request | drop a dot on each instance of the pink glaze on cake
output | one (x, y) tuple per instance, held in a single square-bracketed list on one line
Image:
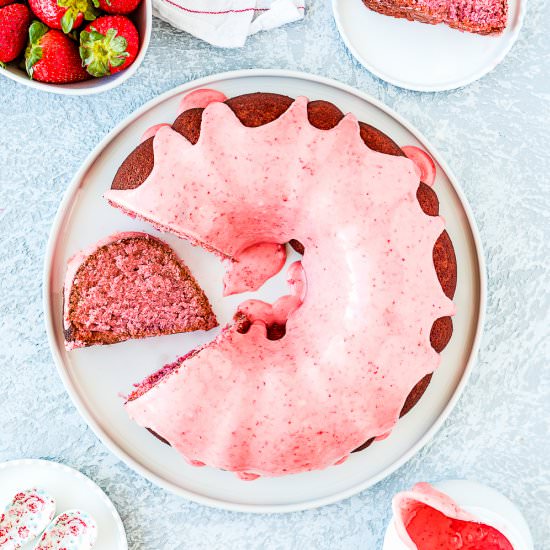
[(257, 311), (423, 162), (427, 519), (135, 291), (253, 267), (200, 99), (151, 132), (260, 406)]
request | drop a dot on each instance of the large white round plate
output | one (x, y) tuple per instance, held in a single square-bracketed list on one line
[(71, 490), (96, 377), (417, 56)]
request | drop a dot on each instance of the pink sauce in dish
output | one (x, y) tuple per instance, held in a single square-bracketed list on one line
[(432, 530), (427, 519), (356, 341)]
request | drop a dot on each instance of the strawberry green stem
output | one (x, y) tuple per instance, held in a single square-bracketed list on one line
[(74, 8), (33, 53), (101, 52)]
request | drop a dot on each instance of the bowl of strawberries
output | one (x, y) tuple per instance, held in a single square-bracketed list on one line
[(73, 47)]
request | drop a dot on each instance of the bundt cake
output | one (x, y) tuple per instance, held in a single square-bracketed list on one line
[(476, 16), (299, 384), (131, 285)]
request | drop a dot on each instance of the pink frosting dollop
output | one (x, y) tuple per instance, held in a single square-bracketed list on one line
[(199, 99), (152, 131), (357, 339)]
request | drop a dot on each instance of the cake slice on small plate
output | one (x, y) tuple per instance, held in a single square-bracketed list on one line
[(130, 285), (476, 16)]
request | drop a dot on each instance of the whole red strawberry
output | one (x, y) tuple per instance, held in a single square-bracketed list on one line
[(52, 56), (108, 45), (14, 24), (119, 7), (63, 14)]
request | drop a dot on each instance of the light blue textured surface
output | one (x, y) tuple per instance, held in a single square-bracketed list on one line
[(494, 135)]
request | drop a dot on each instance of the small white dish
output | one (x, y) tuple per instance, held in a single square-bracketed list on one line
[(421, 57), (143, 19), (96, 377), (486, 504), (71, 489)]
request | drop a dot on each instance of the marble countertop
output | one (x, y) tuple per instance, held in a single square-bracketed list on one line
[(495, 136)]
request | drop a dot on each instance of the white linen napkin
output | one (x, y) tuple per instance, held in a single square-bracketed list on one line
[(227, 23)]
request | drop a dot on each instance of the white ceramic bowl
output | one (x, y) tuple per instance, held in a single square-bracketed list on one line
[(143, 20), (487, 505)]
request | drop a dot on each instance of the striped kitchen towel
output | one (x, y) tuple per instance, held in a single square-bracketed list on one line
[(227, 23)]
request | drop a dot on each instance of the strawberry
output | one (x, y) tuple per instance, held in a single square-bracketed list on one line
[(14, 24), (6, 2), (108, 45), (52, 56), (119, 7), (63, 14)]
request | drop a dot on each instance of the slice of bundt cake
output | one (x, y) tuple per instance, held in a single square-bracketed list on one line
[(477, 16), (130, 285)]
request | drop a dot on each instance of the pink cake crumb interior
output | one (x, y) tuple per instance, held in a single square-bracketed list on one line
[(136, 287), (478, 12), (155, 378), (479, 16)]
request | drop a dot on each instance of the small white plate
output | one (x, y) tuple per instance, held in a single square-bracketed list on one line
[(486, 504), (417, 56), (71, 489), (96, 377)]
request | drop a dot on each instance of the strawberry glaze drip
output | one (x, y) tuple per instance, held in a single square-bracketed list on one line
[(152, 131), (253, 267), (199, 99)]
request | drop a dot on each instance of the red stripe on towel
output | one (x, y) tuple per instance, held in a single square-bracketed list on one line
[(243, 10)]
